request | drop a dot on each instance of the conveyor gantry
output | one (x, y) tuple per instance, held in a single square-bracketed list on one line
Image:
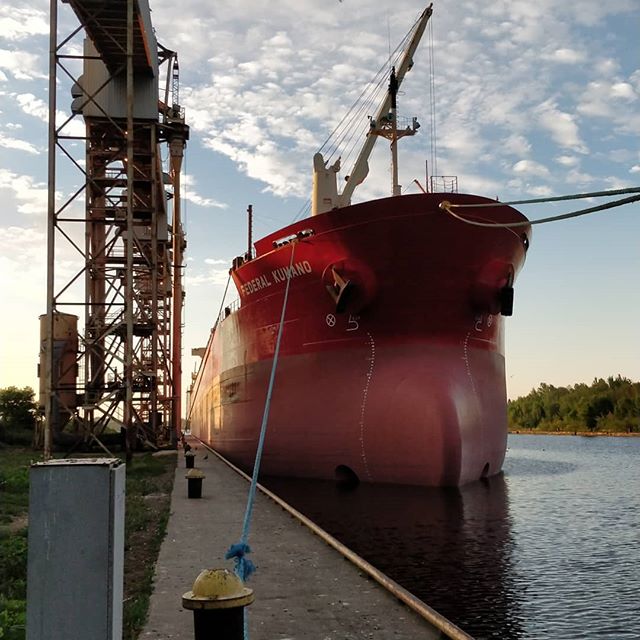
[(125, 370), (105, 22)]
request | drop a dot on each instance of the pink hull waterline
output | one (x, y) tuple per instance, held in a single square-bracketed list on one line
[(407, 386)]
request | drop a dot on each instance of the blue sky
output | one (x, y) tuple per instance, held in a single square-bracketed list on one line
[(532, 99)]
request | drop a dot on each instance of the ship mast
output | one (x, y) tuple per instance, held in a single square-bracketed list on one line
[(325, 194)]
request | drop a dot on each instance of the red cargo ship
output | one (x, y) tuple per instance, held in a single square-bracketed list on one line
[(391, 364)]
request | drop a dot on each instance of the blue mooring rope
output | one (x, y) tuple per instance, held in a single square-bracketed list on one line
[(238, 551)]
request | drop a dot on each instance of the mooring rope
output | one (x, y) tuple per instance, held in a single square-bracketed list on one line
[(224, 297), (238, 551), (448, 207), (574, 196)]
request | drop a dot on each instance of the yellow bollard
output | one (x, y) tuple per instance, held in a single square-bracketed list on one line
[(194, 483), (218, 599)]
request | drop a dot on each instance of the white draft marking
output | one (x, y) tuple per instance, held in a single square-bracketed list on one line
[(353, 324), (331, 320), (465, 350), (363, 407)]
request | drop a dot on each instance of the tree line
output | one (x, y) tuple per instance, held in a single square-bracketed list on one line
[(611, 405)]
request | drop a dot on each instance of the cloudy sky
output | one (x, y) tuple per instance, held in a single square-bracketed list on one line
[(532, 99)]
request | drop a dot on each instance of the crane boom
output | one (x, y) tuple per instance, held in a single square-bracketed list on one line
[(361, 166), (325, 196)]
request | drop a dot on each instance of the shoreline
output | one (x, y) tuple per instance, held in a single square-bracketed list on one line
[(584, 434)]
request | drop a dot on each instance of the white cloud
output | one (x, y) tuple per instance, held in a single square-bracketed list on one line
[(523, 187), (595, 100), (18, 23), (22, 65), (204, 202), (622, 156), (624, 91), (531, 168), (22, 262), (607, 67), (188, 192), (616, 182), (211, 276), (30, 195), (539, 191), (473, 183), (33, 106), (463, 143), (568, 161), (561, 125), (14, 143), (516, 144), (38, 108), (635, 169), (566, 56), (613, 100), (579, 178), (267, 162)]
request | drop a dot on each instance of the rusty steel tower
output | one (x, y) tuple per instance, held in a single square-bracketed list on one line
[(111, 337)]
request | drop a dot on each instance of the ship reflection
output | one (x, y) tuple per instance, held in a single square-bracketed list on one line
[(451, 547)]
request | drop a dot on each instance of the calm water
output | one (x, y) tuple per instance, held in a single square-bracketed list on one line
[(550, 549)]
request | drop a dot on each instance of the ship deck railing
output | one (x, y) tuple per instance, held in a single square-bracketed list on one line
[(227, 311)]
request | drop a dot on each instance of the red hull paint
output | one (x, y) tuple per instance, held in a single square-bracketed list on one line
[(406, 385)]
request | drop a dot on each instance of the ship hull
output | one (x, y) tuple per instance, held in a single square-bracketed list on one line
[(400, 379)]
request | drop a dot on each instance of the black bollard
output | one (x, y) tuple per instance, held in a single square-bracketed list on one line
[(194, 483), (189, 459), (218, 600)]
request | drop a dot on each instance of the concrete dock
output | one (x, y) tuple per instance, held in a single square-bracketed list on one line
[(304, 588)]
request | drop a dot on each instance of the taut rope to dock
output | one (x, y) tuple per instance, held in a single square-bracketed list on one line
[(448, 207)]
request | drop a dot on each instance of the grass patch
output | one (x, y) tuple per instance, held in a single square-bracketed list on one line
[(13, 568), (149, 482), (14, 482), (149, 485), (13, 584), (12, 619)]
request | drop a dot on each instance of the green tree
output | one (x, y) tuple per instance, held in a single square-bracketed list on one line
[(598, 407), (17, 412)]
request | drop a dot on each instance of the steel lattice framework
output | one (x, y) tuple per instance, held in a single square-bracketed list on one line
[(120, 229)]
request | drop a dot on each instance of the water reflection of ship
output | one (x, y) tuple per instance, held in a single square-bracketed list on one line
[(451, 547)]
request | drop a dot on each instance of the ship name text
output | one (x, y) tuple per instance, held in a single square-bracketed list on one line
[(282, 274)]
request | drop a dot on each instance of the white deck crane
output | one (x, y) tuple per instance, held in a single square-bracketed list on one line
[(325, 191)]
